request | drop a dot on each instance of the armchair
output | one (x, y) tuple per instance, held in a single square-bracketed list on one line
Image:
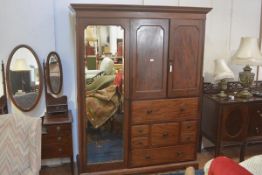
[(20, 145)]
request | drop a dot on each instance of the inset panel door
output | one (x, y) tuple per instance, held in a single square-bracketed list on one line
[(149, 38), (234, 122), (185, 58)]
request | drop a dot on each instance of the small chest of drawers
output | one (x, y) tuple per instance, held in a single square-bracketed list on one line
[(57, 136)]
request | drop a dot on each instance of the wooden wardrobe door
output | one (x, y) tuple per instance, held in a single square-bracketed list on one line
[(185, 56), (149, 38)]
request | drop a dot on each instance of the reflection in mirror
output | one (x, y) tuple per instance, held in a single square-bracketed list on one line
[(23, 78), (104, 67), (54, 73)]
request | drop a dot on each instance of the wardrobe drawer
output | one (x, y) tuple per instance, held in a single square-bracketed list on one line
[(56, 150), (164, 110), (165, 134), (139, 142), (188, 126), (188, 137), (143, 157), (58, 129), (139, 130)]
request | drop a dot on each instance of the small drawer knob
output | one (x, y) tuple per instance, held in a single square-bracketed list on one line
[(182, 109), (140, 130), (58, 128), (178, 154), (147, 157), (165, 134), (60, 149), (257, 130), (258, 111), (59, 138), (149, 111)]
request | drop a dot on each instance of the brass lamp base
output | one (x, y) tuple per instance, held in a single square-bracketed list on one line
[(244, 94), (222, 94), (246, 79)]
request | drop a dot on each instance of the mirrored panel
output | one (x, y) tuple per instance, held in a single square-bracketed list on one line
[(54, 73), (104, 84), (24, 78)]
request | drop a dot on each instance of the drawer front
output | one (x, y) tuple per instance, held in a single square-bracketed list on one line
[(143, 157), (58, 129), (188, 137), (139, 142), (188, 126), (49, 139), (139, 130), (56, 150), (166, 134), (164, 110)]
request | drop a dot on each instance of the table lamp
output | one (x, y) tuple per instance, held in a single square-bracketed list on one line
[(222, 74), (248, 54)]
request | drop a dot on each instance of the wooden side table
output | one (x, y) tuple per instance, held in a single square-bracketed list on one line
[(57, 136), (226, 120)]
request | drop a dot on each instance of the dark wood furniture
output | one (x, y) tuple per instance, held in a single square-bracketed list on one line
[(163, 51), (57, 136), (3, 98), (237, 121)]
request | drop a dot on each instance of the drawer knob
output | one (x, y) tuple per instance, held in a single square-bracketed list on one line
[(58, 128), (260, 115), (149, 111), (182, 109), (188, 126), (257, 130), (140, 130), (147, 157), (258, 111), (165, 134), (59, 138), (178, 154), (60, 149)]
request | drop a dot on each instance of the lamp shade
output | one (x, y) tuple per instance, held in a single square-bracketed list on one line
[(248, 52), (90, 34), (222, 71), (20, 65)]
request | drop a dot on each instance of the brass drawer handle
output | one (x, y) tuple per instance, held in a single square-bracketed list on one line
[(59, 138), (140, 130), (60, 149), (58, 128), (149, 111), (182, 108)]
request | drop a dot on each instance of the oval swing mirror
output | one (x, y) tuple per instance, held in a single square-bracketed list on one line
[(23, 76), (54, 73)]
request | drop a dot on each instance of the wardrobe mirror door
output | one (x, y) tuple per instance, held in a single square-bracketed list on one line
[(23, 75), (54, 73), (104, 75)]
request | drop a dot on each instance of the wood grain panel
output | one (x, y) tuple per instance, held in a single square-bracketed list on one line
[(143, 157), (164, 110), (149, 56), (185, 58), (165, 134)]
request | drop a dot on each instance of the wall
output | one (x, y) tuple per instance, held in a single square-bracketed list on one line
[(27, 22), (49, 25)]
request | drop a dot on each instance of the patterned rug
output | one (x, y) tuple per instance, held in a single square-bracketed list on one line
[(198, 172)]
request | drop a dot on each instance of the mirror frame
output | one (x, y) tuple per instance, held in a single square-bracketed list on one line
[(48, 81), (8, 77)]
